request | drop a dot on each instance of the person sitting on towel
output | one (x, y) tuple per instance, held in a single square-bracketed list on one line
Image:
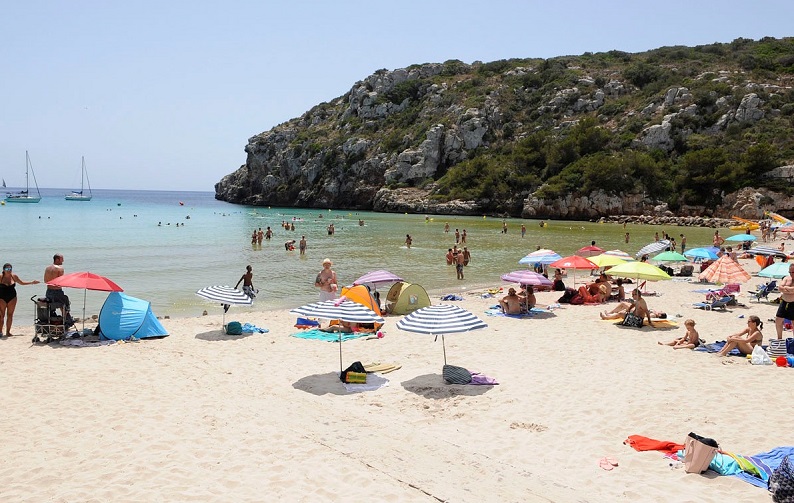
[(638, 306), (511, 303), (528, 300)]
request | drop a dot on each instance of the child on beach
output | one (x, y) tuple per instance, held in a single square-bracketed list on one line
[(690, 340)]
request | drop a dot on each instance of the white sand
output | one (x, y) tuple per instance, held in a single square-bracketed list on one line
[(200, 416)]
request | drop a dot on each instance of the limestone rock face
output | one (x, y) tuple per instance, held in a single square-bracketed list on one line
[(749, 109)]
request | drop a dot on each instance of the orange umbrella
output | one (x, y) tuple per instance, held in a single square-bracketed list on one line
[(725, 270), (573, 262)]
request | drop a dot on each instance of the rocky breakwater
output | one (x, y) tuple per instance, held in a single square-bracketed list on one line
[(669, 221)]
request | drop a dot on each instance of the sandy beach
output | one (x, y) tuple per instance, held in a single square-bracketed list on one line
[(202, 416)]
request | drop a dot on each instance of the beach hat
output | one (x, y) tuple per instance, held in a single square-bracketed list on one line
[(327, 261)]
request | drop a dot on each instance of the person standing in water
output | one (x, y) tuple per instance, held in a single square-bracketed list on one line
[(408, 240), (326, 281), (247, 281)]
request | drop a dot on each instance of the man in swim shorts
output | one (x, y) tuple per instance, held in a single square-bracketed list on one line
[(786, 309), (55, 293)]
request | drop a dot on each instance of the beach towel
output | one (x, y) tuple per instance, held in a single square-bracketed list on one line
[(532, 312), (373, 382), (251, 329), (319, 335), (478, 379), (765, 463), (640, 443), (657, 322), (716, 347)]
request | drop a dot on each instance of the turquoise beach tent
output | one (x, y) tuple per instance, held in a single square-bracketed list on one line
[(123, 317)]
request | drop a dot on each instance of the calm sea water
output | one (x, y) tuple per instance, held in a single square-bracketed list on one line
[(132, 238)]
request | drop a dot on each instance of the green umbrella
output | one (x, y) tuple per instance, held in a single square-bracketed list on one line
[(638, 270), (670, 256)]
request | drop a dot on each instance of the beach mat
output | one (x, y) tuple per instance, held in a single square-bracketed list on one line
[(383, 368), (657, 322), (531, 314)]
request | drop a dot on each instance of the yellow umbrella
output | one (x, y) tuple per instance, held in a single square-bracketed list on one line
[(607, 260), (638, 270)]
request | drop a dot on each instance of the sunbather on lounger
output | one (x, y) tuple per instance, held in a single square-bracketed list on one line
[(747, 339), (690, 340)]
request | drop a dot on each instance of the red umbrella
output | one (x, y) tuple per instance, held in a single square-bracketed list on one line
[(86, 281), (573, 262), (589, 251)]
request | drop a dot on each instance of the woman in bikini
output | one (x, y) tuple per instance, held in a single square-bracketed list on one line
[(8, 296), (747, 339)]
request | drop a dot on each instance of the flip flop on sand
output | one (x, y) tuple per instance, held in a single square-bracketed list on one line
[(607, 463)]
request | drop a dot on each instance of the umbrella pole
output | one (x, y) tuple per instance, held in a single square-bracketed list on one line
[(85, 292), (444, 348), (340, 353)]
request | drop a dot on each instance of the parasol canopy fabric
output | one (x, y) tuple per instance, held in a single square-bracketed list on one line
[(670, 256), (225, 295), (777, 270), (439, 320), (655, 247), (741, 238), (589, 251), (527, 277), (702, 253), (639, 270), (725, 270), (379, 277), (541, 256), (86, 281), (618, 253), (573, 262), (339, 309), (766, 251), (605, 260)]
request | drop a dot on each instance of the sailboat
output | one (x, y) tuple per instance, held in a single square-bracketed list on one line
[(24, 196), (80, 196)]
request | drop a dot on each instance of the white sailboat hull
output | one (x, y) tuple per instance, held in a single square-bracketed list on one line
[(22, 199), (77, 197)]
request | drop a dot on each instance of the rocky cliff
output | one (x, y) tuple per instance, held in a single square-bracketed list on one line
[(676, 130)]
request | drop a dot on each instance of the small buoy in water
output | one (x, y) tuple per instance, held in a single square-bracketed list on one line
[(181, 203), (118, 204)]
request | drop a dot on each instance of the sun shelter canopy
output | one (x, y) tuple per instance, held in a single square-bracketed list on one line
[(123, 317), (404, 298), (379, 277)]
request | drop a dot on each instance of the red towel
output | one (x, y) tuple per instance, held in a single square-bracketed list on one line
[(640, 443)]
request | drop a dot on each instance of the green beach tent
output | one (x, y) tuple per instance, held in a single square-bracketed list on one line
[(405, 298)]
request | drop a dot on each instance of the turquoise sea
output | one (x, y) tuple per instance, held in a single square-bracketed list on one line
[(132, 237)]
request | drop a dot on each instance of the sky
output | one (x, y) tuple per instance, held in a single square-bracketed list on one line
[(163, 95)]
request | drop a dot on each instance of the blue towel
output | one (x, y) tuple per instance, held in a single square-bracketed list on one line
[(250, 329), (766, 462), (319, 335), (715, 347)]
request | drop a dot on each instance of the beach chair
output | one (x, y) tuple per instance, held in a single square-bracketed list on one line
[(716, 303), (764, 290)]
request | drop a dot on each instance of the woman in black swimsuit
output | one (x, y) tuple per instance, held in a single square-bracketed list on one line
[(8, 296)]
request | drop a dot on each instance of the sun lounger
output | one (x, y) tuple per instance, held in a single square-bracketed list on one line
[(764, 291), (720, 303)]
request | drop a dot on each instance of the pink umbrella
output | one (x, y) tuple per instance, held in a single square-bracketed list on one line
[(379, 277), (589, 251), (725, 270), (574, 262), (526, 277)]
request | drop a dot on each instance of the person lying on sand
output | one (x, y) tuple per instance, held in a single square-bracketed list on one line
[(690, 340), (343, 327)]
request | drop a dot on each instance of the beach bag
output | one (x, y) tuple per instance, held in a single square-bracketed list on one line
[(234, 328), (698, 453), (790, 346), (632, 320), (759, 356), (455, 375), (781, 482), (777, 347), (349, 374)]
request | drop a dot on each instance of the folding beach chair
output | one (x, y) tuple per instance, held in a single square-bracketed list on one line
[(764, 290), (720, 303)]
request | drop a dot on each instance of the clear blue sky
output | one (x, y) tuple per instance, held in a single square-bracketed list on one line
[(165, 94)]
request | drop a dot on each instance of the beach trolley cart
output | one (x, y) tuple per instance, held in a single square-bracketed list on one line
[(46, 322)]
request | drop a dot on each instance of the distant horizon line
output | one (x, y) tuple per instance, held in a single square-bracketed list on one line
[(13, 189)]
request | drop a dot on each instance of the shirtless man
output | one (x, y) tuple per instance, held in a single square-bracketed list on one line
[(326, 281), (527, 297), (450, 257), (459, 264), (466, 256), (55, 293), (786, 308), (637, 305), (511, 303), (247, 281)]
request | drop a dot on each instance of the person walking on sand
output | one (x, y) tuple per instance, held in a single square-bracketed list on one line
[(326, 281), (8, 297), (55, 293), (247, 281), (786, 308)]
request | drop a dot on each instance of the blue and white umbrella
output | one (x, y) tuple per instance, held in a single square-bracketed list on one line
[(439, 320), (741, 238), (226, 295), (702, 253), (339, 309), (766, 251), (541, 256), (655, 247)]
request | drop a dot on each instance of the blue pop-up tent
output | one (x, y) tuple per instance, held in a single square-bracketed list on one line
[(123, 317)]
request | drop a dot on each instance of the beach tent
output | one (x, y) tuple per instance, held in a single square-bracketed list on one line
[(123, 317), (405, 298), (361, 295)]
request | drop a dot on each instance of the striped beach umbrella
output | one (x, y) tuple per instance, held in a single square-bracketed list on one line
[(655, 247), (439, 320), (541, 256), (618, 253), (226, 295), (766, 251), (725, 270), (339, 309)]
